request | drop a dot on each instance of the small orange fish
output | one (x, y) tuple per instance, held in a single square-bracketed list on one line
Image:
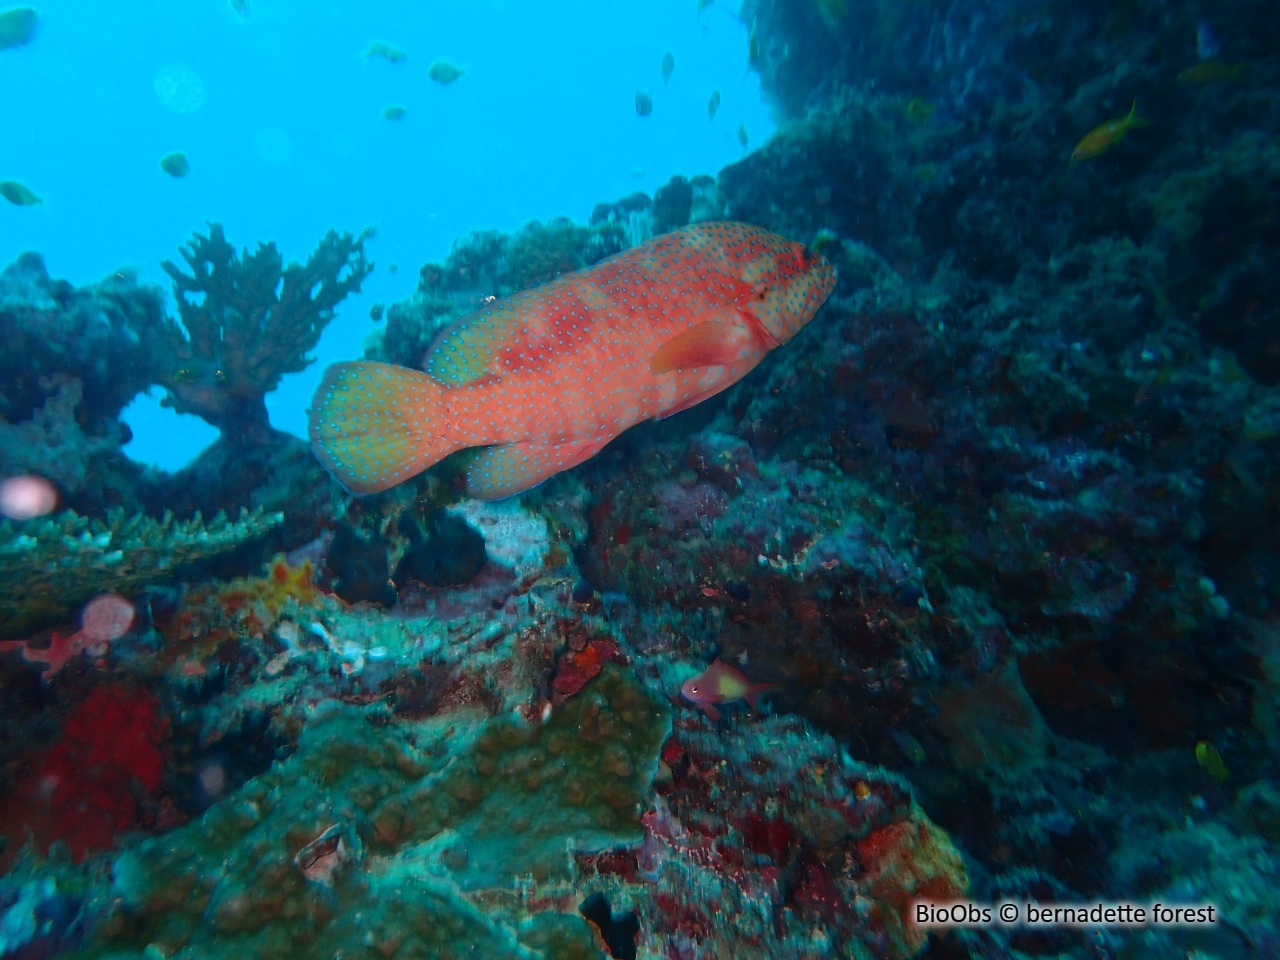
[(721, 683), (1106, 135), (545, 378)]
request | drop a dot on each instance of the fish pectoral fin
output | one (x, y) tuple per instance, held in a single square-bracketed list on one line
[(510, 468), (711, 344)]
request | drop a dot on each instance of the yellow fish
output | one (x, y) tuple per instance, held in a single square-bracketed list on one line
[(1106, 135), (1210, 71), (1211, 761)]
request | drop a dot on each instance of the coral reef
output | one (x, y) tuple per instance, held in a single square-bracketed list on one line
[(110, 336), (99, 780), (247, 320), (49, 567), (52, 442), (998, 528), (436, 811)]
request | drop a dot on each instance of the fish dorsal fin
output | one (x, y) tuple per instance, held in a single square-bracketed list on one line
[(468, 348), (715, 343)]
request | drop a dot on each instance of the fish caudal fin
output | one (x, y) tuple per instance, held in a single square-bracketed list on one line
[(373, 425), (752, 696)]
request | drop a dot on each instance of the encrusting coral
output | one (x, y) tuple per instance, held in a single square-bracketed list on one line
[(50, 567), (249, 320), (376, 835)]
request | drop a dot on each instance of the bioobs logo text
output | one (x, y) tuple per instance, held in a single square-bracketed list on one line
[(952, 914), (1119, 914)]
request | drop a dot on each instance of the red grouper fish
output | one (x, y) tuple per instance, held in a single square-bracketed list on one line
[(543, 379)]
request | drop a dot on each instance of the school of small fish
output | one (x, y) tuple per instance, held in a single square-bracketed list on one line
[(541, 380), (18, 26)]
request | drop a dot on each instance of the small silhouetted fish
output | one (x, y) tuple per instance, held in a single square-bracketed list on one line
[(738, 590), (833, 11), (386, 51), (175, 165), (713, 104), (444, 73), (742, 135), (394, 112), (375, 312), (1210, 71), (17, 194), (1104, 136), (17, 27), (920, 110), (644, 103), (1211, 761), (583, 591), (668, 67)]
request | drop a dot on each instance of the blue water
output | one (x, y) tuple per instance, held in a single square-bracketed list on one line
[(280, 116)]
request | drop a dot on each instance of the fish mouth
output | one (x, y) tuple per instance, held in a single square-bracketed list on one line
[(819, 267), (815, 262)]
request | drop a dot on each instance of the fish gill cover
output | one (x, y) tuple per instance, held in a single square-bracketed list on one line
[(975, 544)]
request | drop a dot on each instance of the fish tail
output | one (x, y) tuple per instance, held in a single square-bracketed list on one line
[(752, 696), (373, 425)]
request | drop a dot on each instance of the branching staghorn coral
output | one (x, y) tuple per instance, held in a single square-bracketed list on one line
[(249, 320), (49, 567)]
